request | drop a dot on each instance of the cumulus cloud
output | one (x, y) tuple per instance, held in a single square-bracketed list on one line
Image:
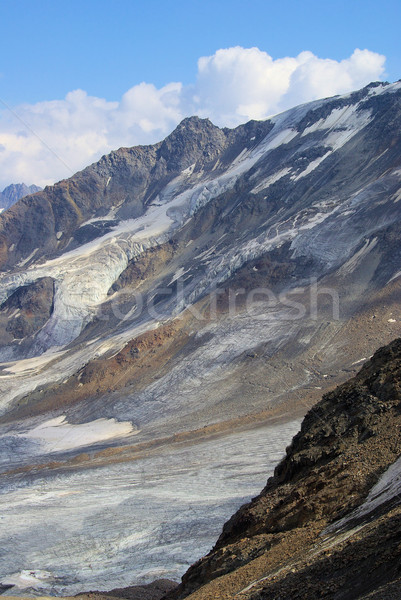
[(41, 143)]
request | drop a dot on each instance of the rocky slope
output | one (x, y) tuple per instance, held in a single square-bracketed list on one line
[(328, 523), (14, 192), (173, 304), (120, 186)]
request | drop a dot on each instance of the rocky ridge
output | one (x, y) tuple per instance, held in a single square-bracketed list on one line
[(303, 536), (124, 182)]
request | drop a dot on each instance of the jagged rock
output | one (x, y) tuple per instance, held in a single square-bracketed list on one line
[(28, 308), (127, 179)]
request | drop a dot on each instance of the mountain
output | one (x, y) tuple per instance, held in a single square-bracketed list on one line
[(167, 317), (328, 523), (14, 192)]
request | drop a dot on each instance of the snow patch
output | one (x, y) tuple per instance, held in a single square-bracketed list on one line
[(397, 197), (312, 166), (350, 120), (26, 579), (333, 119), (387, 488), (357, 362), (26, 260), (189, 170), (181, 271), (355, 260), (394, 277), (270, 180), (283, 137), (385, 88), (57, 434)]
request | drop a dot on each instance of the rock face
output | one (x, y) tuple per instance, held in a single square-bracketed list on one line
[(328, 522), (14, 192), (28, 308)]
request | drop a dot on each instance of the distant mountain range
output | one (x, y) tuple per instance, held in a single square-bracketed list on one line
[(14, 192)]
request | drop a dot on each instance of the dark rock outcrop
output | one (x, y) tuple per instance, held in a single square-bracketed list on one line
[(152, 591), (28, 308)]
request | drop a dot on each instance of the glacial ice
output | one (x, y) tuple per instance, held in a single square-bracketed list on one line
[(115, 526)]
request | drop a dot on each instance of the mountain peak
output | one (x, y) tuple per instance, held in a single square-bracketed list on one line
[(193, 139), (16, 191), (194, 123)]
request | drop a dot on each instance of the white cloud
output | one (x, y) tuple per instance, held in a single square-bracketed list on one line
[(318, 78), (38, 141)]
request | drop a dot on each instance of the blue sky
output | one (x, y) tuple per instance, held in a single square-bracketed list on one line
[(50, 49)]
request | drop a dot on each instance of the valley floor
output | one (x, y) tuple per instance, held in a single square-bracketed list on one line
[(69, 531)]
